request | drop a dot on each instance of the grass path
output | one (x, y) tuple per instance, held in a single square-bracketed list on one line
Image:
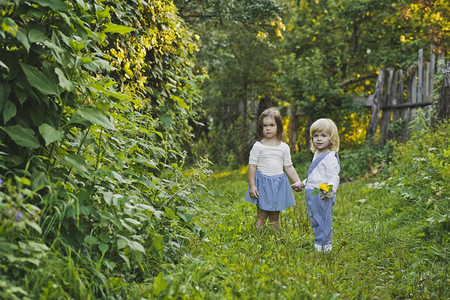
[(377, 254)]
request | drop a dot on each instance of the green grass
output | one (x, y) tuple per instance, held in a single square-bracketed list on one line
[(391, 238), (377, 251)]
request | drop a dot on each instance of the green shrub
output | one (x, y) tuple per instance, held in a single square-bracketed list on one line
[(420, 177), (369, 159), (96, 103)]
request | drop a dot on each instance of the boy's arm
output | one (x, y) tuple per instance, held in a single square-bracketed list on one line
[(332, 175)]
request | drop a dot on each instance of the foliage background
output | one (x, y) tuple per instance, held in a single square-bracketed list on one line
[(111, 113), (97, 102)]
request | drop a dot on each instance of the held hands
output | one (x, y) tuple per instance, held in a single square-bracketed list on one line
[(298, 186)]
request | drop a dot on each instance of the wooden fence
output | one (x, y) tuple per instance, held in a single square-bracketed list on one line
[(397, 97)]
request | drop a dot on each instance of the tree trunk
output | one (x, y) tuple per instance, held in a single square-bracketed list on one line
[(244, 128), (293, 127), (307, 135)]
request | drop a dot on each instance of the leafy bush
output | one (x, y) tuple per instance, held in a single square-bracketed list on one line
[(366, 160), (92, 127), (420, 172)]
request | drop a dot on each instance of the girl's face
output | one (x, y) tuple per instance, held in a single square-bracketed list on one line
[(322, 141), (269, 128)]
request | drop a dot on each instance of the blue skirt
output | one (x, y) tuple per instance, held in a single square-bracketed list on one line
[(275, 192)]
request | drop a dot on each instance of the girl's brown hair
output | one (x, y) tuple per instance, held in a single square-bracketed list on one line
[(275, 114), (329, 127)]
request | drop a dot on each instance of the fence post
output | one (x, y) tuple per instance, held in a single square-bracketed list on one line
[(376, 106), (420, 79), (443, 108), (432, 71), (387, 99)]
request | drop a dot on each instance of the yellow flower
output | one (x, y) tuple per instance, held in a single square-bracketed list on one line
[(324, 187)]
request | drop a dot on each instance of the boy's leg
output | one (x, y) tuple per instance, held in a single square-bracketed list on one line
[(274, 220), (324, 232), (261, 216)]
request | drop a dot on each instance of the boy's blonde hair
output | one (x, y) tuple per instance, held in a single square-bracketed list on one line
[(327, 126), (275, 114)]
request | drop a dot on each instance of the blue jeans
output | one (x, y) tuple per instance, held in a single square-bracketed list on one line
[(320, 217)]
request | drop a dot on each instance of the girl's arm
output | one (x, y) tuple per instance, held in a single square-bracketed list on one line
[(292, 173), (253, 191)]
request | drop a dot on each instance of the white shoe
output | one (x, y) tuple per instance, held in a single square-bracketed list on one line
[(320, 248), (327, 248)]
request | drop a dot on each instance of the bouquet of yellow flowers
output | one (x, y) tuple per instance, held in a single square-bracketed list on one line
[(325, 190)]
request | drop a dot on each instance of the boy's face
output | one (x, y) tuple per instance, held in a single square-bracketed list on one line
[(321, 140)]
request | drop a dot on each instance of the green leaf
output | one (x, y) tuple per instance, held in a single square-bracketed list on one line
[(9, 111), (36, 36), (91, 240), (25, 181), (77, 45), (2, 64), (38, 180), (103, 247), (38, 80), (121, 244), (34, 225), (438, 218), (22, 136), (89, 116), (102, 15), (104, 237), (110, 264), (180, 102), (135, 246), (167, 121), (133, 221), (8, 25), (50, 134), (157, 242), (5, 89), (76, 162), (170, 213), (114, 28), (53, 4), (39, 247), (126, 259), (53, 47), (22, 37), (63, 81)]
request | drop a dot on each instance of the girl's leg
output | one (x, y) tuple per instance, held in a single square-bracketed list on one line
[(261, 216), (274, 220)]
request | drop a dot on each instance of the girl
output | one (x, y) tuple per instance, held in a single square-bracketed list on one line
[(268, 185), (323, 175)]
